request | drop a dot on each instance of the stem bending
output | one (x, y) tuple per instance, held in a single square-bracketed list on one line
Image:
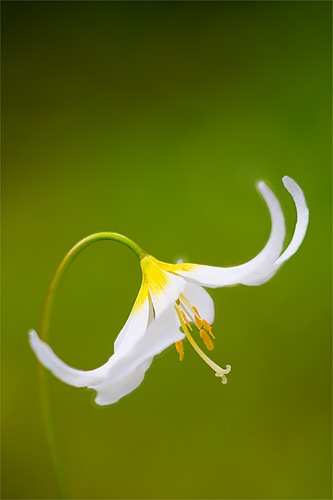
[(44, 330), (68, 259)]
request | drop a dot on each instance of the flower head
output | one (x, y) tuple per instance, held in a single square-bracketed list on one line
[(172, 305)]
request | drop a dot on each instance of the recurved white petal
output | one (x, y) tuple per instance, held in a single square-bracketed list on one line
[(136, 326), (260, 277), (266, 263), (302, 219), (125, 370), (110, 392), (64, 372)]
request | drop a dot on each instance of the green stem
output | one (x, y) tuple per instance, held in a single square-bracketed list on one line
[(66, 262), (44, 331)]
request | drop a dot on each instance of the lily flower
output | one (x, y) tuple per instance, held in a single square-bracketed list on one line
[(172, 305)]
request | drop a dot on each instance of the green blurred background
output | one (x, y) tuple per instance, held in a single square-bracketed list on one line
[(155, 120)]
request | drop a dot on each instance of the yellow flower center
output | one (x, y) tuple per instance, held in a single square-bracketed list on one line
[(153, 275), (155, 278)]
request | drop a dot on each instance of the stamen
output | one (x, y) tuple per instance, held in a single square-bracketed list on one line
[(198, 320), (219, 372), (198, 323), (208, 343), (207, 327), (180, 349), (190, 310), (184, 299), (196, 311), (186, 320)]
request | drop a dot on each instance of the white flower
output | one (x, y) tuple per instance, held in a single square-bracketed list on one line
[(171, 297)]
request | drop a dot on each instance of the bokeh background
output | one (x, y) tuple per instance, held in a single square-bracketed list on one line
[(155, 120)]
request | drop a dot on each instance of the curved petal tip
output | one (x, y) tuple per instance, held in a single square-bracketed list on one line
[(260, 185), (262, 267), (296, 192), (32, 337), (290, 184), (287, 181)]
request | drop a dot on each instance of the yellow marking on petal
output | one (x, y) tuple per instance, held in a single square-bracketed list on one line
[(186, 320), (180, 349), (169, 268), (184, 266), (207, 340), (174, 268), (153, 275), (142, 295)]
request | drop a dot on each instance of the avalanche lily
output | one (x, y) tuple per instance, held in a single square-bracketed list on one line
[(172, 305)]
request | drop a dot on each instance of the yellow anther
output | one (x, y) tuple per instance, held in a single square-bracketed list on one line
[(180, 350), (207, 327), (197, 318), (198, 323), (196, 311), (207, 340), (186, 320)]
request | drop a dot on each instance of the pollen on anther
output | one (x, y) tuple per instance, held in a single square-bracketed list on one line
[(207, 340), (180, 350), (185, 319), (197, 318), (207, 327), (196, 311)]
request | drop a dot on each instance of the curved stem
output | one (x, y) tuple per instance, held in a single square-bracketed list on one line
[(68, 259), (44, 330)]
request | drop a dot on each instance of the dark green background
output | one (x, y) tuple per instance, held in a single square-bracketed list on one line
[(156, 120)]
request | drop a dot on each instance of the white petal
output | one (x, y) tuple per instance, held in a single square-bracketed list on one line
[(302, 219), (223, 276), (125, 370), (136, 326), (199, 298), (128, 369), (110, 392), (69, 375), (137, 321), (162, 332), (299, 233)]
